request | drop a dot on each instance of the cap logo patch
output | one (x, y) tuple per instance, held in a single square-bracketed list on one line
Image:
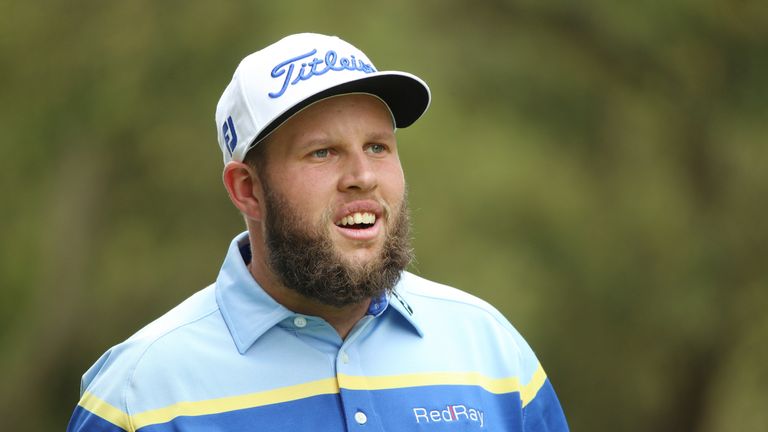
[(229, 133), (317, 66)]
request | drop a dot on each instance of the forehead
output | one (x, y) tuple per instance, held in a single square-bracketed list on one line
[(339, 118)]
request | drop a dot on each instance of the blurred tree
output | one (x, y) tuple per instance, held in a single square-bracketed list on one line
[(600, 166)]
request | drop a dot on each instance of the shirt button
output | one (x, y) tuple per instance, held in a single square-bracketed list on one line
[(344, 357), (300, 322), (360, 417)]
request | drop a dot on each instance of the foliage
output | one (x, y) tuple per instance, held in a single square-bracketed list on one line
[(595, 169)]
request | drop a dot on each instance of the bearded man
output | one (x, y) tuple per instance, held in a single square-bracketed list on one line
[(313, 324)]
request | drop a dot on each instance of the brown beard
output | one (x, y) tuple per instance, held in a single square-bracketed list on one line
[(307, 262)]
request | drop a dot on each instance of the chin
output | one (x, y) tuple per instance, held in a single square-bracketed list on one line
[(360, 257)]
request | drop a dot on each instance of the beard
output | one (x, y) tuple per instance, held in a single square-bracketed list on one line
[(306, 260)]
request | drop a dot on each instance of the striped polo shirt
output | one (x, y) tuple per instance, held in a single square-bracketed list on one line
[(230, 358)]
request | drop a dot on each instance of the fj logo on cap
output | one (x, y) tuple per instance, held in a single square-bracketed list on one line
[(315, 67), (230, 136)]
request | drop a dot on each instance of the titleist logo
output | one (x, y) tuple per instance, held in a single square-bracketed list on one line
[(331, 62)]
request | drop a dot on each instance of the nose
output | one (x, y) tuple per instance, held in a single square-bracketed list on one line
[(358, 173)]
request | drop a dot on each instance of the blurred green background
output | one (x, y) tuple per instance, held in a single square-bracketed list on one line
[(595, 169)]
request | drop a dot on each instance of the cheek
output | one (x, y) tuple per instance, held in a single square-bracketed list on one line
[(310, 195), (393, 179), (302, 184)]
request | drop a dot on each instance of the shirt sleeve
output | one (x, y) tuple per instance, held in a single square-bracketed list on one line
[(101, 407), (542, 411)]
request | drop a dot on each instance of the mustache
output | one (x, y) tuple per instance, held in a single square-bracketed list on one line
[(327, 216)]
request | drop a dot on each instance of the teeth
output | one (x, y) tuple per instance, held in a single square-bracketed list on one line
[(357, 218)]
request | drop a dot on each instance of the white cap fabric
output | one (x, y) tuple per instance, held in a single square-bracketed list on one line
[(271, 85)]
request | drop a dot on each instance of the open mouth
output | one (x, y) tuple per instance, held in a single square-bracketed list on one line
[(357, 221)]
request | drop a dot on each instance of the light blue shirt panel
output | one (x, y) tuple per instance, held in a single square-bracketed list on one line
[(111, 377), (461, 334), (459, 316), (206, 371)]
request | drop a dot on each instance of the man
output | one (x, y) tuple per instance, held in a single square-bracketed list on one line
[(312, 323)]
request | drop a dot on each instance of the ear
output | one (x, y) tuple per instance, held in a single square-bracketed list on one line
[(245, 189)]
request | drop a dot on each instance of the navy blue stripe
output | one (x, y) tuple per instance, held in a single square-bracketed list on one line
[(436, 408), (544, 413), (445, 407), (85, 421), (449, 407)]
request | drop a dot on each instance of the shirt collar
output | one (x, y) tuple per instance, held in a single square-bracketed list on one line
[(249, 311), (399, 303)]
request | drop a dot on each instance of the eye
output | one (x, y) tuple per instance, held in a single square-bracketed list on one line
[(320, 153), (377, 148)]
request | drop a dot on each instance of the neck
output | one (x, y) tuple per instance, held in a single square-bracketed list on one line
[(342, 319)]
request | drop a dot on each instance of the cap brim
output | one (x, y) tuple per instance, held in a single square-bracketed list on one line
[(406, 95)]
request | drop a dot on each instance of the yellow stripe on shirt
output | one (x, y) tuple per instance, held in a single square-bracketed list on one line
[(232, 403), (530, 390), (321, 387), (492, 385), (103, 409)]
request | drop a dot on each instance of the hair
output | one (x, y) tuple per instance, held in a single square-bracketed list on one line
[(256, 158)]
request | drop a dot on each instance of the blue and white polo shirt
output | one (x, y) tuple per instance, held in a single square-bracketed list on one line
[(230, 358)]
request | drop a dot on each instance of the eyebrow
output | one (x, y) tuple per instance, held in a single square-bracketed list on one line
[(324, 142), (381, 136), (314, 142)]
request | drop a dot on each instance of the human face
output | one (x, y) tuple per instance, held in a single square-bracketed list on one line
[(334, 164)]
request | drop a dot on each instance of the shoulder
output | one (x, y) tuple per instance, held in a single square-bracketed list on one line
[(448, 299), (454, 317), (109, 379), (189, 313)]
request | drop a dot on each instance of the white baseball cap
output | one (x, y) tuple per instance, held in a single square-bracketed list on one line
[(271, 85)]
